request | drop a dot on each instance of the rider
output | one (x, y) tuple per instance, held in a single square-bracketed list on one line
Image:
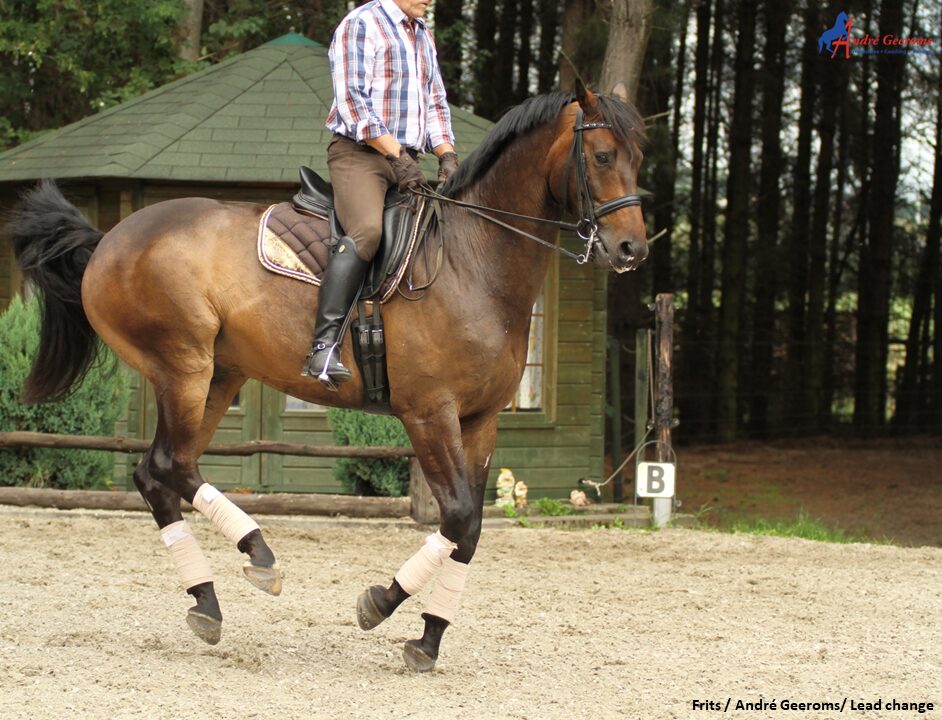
[(389, 105)]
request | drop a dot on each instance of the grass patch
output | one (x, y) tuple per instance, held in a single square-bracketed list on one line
[(804, 526)]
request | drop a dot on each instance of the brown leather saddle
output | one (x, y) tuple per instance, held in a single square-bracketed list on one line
[(295, 239)]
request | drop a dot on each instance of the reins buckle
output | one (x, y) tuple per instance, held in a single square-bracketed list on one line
[(587, 226)]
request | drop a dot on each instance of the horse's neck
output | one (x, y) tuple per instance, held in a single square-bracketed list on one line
[(508, 266)]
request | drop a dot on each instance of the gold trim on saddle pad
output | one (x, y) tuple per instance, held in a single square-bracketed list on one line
[(275, 255)]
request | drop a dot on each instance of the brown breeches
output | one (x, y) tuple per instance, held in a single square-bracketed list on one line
[(361, 177)]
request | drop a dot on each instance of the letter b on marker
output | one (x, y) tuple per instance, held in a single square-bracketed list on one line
[(655, 480)]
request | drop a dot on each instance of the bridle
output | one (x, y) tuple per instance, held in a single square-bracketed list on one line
[(589, 214), (588, 226)]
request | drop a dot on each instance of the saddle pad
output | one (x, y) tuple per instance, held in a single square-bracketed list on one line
[(293, 244)]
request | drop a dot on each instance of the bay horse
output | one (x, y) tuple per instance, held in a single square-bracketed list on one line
[(176, 290)]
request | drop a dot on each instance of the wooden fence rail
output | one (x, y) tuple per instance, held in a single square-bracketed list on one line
[(420, 503), (252, 447)]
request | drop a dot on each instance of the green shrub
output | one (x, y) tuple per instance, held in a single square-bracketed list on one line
[(93, 409), (370, 476), (553, 508)]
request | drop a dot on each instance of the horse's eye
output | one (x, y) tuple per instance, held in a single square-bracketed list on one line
[(602, 158)]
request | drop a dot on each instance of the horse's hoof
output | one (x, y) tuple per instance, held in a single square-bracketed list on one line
[(368, 615), (207, 628), (416, 658), (264, 578)]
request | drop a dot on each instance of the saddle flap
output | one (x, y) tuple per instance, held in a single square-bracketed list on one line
[(316, 194)]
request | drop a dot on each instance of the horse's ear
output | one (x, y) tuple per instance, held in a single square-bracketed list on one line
[(621, 92), (584, 96)]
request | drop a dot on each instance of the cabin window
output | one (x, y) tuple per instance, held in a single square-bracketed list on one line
[(529, 395), (293, 404)]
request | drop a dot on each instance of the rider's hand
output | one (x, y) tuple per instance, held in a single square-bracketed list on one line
[(408, 173), (447, 164)]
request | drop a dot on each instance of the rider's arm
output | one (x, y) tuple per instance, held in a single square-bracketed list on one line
[(440, 136), (385, 145), (351, 66)]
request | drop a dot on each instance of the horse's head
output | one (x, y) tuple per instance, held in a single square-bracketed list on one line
[(611, 133)]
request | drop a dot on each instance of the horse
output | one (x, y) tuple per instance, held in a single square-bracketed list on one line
[(176, 290), (838, 31)]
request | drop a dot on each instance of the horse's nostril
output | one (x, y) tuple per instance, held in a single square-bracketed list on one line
[(625, 249)]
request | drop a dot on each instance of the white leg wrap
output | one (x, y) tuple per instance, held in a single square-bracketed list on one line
[(222, 512), (192, 566), (418, 569), (446, 597)]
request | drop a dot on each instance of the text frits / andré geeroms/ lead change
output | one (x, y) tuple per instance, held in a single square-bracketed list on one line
[(848, 704)]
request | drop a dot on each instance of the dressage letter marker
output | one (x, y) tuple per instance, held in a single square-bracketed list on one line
[(655, 480)]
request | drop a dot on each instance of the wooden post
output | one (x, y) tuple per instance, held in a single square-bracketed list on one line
[(642, 349), (664, 405), (614, 385), (424, 507)]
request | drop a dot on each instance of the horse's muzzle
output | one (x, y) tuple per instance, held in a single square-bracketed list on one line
[(628, 255)]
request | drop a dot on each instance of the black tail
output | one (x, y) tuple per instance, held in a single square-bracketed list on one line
[(53, 244)]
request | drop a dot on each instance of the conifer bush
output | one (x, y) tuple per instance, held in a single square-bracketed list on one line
[(370, 476), (100, 400)]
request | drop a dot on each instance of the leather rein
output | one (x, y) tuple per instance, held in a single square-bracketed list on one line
[(588, 226)]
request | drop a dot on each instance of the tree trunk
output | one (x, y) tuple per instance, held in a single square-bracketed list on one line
[(502, 70), (735, 243), (628, 31), (835, 270), (691, 397), (449, 29), (832, 81), (663, 138), (918, 400), (936, 222), (707, 268), (485, 31), (192, 26), (575, 16), (549, 24), (777, 17), (524, 52), (800, 230), (663, 280), (875, 273)]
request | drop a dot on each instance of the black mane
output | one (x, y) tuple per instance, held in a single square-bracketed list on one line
[(627, 126)]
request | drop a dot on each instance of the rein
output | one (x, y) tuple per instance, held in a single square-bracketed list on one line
[(588, 226)]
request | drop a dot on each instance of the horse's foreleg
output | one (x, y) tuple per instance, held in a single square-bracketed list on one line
[(205, 618), (183, 403), (479, 438), (437, 441)]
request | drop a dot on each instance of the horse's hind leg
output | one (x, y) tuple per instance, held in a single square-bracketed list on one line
[(205, 618), (180, 439)]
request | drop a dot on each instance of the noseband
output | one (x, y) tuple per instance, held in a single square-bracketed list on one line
[(589, 215), (588, 226)]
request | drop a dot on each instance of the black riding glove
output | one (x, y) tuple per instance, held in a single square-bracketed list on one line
[(408, 173), (447, 164)]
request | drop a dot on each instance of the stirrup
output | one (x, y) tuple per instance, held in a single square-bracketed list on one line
[(325, 379)]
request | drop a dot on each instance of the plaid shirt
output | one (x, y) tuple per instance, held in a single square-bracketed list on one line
[(387, 80)]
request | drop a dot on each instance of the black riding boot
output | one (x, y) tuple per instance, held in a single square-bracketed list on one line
[(339, 289)]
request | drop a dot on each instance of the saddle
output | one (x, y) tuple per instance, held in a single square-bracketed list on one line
[(295, 239)]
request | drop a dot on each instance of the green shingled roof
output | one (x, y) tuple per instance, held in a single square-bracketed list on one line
[(253, 118)]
